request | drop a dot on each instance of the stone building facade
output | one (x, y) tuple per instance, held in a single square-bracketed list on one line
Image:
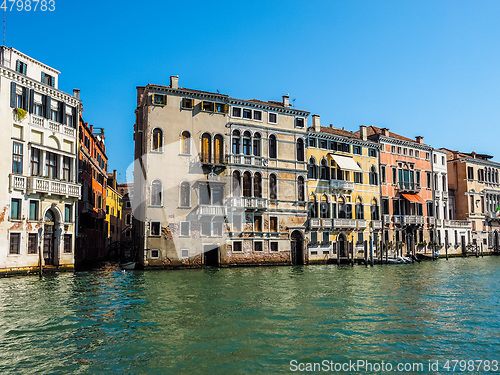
[(475, 186), (215, 179), (39, 189), (343, 194)]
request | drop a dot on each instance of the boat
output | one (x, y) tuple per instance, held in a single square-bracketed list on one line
[(128, 265), (426, 257)]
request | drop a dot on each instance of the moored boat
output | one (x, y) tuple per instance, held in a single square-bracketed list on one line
[(128, 265)]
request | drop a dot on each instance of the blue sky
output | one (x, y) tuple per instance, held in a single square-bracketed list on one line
[(426, 68)]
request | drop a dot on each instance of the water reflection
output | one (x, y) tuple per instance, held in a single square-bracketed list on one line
[(248, 319)]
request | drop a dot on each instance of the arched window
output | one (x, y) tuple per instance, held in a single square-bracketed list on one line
[(128, 219), (273, 154), (273, 187), (324, 170), (360, 212), (236, 142), (236, 184), (185, 194), (300, 149), (257, 144), (311, 169), (218, 149), (156, 193), (206, 148), (313, 207), (157, 139), (185, 143), (300, 189), (375, 212), (325, 207), (247, 143), (373, 176), (247, 184), (445, 184), (342, 208), (257, 185)]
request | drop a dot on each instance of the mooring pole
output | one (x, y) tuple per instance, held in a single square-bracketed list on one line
[(40, 268)]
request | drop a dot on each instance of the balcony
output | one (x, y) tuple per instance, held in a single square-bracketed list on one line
[(376, 224), (341, 185), (361, 224), (398, 220), (17, 182), (258, 161), (408, 187), (326, 223), (250, 203), (344, 223), (413, 220), (315, 222), (439, 222), (211, 210), (52, 187), (445, 195), (457, 224), (51, 125), (209, 159), (387, 219), (431, 221)]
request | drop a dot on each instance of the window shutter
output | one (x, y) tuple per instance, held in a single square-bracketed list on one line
[(26, 93), (24, 68), (73, 110), (53, 81), (226, 108), (62, 112), (43, 77), (13, 95), (18, 66), (32, 100), (47, 107)]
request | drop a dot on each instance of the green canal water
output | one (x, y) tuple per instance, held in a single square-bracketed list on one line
[(249, 320)]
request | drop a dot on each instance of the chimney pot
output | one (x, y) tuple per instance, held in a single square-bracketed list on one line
[(174, 82), (316, 123), (76, 93), (286, 100), (385, 132), (363, 133), (419, 139)]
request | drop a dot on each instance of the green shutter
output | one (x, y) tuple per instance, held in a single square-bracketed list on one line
[(43, 77), (13, 95)]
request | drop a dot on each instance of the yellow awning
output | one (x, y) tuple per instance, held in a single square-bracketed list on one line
[(345, 162)]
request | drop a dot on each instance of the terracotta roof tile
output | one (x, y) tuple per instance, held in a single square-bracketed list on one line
[(373, 130)]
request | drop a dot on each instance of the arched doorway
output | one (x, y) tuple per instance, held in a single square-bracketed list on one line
[(342, 245), (297, 249), (49, 237)]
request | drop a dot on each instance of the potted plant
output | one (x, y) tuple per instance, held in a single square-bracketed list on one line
[(20, 113)]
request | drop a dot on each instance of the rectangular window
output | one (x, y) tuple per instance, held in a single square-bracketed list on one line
[(184, 253), (417, 153), (257, 246), (274, 246), (299, 122), (159, 99), (326, 237), (356, 150), (429, 180), (312, 142), (32, 243), (382, 174), (48, 79), (17, 158), (68, 243), (15, 243), (206, 228), (155, 228), (420, 210), (21, 67), (51, 164), (68, 217), (237, 112), (33, 215), (237, 246), (187, 103), (273, 118), (385, 206), (257, 115), (247, 113), (217, 229), (208, 106), (394, 176), (237, 223), (273, 224), (67, 168), (314, 237), (358, 177), (15, 209), (185, 228), (323, 144), (372, 152), (155, 254), (69, 120)]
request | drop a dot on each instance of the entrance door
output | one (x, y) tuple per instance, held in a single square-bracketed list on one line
[(48, 245), (464, 250), (342, 243), (211, 255), (297, 248)]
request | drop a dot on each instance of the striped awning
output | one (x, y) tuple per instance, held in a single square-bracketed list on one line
[(413, 198)]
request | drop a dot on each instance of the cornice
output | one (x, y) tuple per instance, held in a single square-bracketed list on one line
[(401, 142), (485, 163), (269, 107), (38, 86), (150, 88), (341, 138)]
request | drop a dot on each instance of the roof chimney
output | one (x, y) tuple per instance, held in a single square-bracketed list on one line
[(76, 93), (473, 154), (286, 100), (363, 133), (92, 129), (316, 123), (174, 82), (419, 139), (385, 132)]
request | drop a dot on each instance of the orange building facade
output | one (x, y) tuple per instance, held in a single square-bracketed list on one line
[(406, 192), (91, 243)]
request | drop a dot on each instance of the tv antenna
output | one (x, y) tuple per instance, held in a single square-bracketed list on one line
[(3, 27)]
